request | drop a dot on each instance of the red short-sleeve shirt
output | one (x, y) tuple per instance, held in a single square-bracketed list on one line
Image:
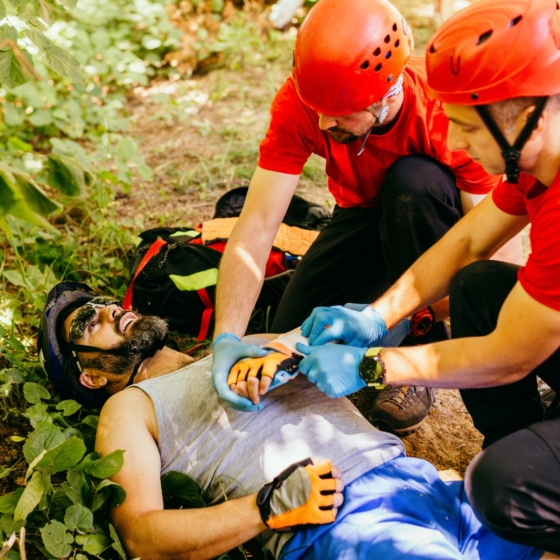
[(540, 277), (420, 128)]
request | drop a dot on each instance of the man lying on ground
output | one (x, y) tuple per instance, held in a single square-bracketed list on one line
[(374, 503)]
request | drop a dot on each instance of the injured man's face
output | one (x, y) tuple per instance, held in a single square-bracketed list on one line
[(102, 323)]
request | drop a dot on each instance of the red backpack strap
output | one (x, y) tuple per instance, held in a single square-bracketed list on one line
[(206, 314), (152, 251)]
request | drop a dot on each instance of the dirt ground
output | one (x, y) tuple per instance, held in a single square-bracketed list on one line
[(207, 144)]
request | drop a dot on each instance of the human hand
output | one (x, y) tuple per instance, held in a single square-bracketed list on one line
[(300, 495), (228, 349), (395, 336), (251, 377), (333, 368), (354, 328)]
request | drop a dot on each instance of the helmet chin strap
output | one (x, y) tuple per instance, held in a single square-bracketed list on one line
[(511, 153)]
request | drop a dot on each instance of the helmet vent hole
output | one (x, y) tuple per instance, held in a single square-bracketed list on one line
[(390, 78), (397, 43), (394, 26), (378, 67), (515, 21), (387, 39), (388, 54), (364, 65), (484, 37), (377, 52), (432, 49)]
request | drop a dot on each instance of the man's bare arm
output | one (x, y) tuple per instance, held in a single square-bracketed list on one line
[(476, 236), (526, 334), (128, 422), (243, 264), (512, 250)]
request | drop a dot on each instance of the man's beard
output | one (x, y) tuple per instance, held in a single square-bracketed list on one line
[(148, 332), (343, 136)]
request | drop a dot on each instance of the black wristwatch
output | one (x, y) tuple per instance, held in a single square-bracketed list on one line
[(372, 368)]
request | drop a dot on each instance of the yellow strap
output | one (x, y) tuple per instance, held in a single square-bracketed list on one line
[(290, 239)]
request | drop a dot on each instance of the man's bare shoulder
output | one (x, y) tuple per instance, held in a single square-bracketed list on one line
[(131, 404)]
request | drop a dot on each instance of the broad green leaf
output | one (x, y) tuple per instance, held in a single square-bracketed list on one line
[(64, 456), (37, 414), (8, 502), (43, 117), (69, 4), (145, 171), (19, 3), (117, 545), (45, 437), (181, 491), (22, 211), (13, 116), (37, 38), (68, 407), (46, 11), (2, 10), (11, 74), (7, 194), (35, 198), (30, 498), (35, 393), (57, 539), (16, 144), (107, 466), (8, 32), (62, 63), (17, 439), (91, 420), (95, 543), (108, 489), (8, 525), (78, 517), (65, 175), (15, 278)]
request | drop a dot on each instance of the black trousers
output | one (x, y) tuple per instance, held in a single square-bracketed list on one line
[(364, 250), (514, 484)]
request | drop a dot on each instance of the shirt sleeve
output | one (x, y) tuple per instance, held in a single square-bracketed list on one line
[(291, 135), (510, 197), (539, 277)]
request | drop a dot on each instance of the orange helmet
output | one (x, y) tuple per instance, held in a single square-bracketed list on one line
[(495, 50), (349, 53)]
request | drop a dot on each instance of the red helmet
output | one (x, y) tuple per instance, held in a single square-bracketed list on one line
[(495, 50), (349, 53)]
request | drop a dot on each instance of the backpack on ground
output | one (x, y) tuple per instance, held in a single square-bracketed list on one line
[(174, 270)]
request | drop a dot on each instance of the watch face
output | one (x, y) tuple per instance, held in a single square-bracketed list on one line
[(368, 370)]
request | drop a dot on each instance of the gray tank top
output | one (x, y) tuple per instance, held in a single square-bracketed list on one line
[(236, 453)]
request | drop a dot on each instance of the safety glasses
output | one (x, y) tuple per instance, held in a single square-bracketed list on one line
[(86, 313)]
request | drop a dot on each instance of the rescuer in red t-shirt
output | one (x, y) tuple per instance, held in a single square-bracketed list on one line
[(496, 68), (355, 99)]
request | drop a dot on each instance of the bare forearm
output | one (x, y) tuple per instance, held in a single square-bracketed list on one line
[(193, 534), (239, 282), (425, 283), (462, 363)]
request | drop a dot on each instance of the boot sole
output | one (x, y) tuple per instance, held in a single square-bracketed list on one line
[(385, 427)]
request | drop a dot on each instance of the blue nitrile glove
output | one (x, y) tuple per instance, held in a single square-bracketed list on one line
[(228, 350), (333, 368), (355, 328), (395, 336)]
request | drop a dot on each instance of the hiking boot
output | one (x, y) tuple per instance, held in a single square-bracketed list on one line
[(401, 409)]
